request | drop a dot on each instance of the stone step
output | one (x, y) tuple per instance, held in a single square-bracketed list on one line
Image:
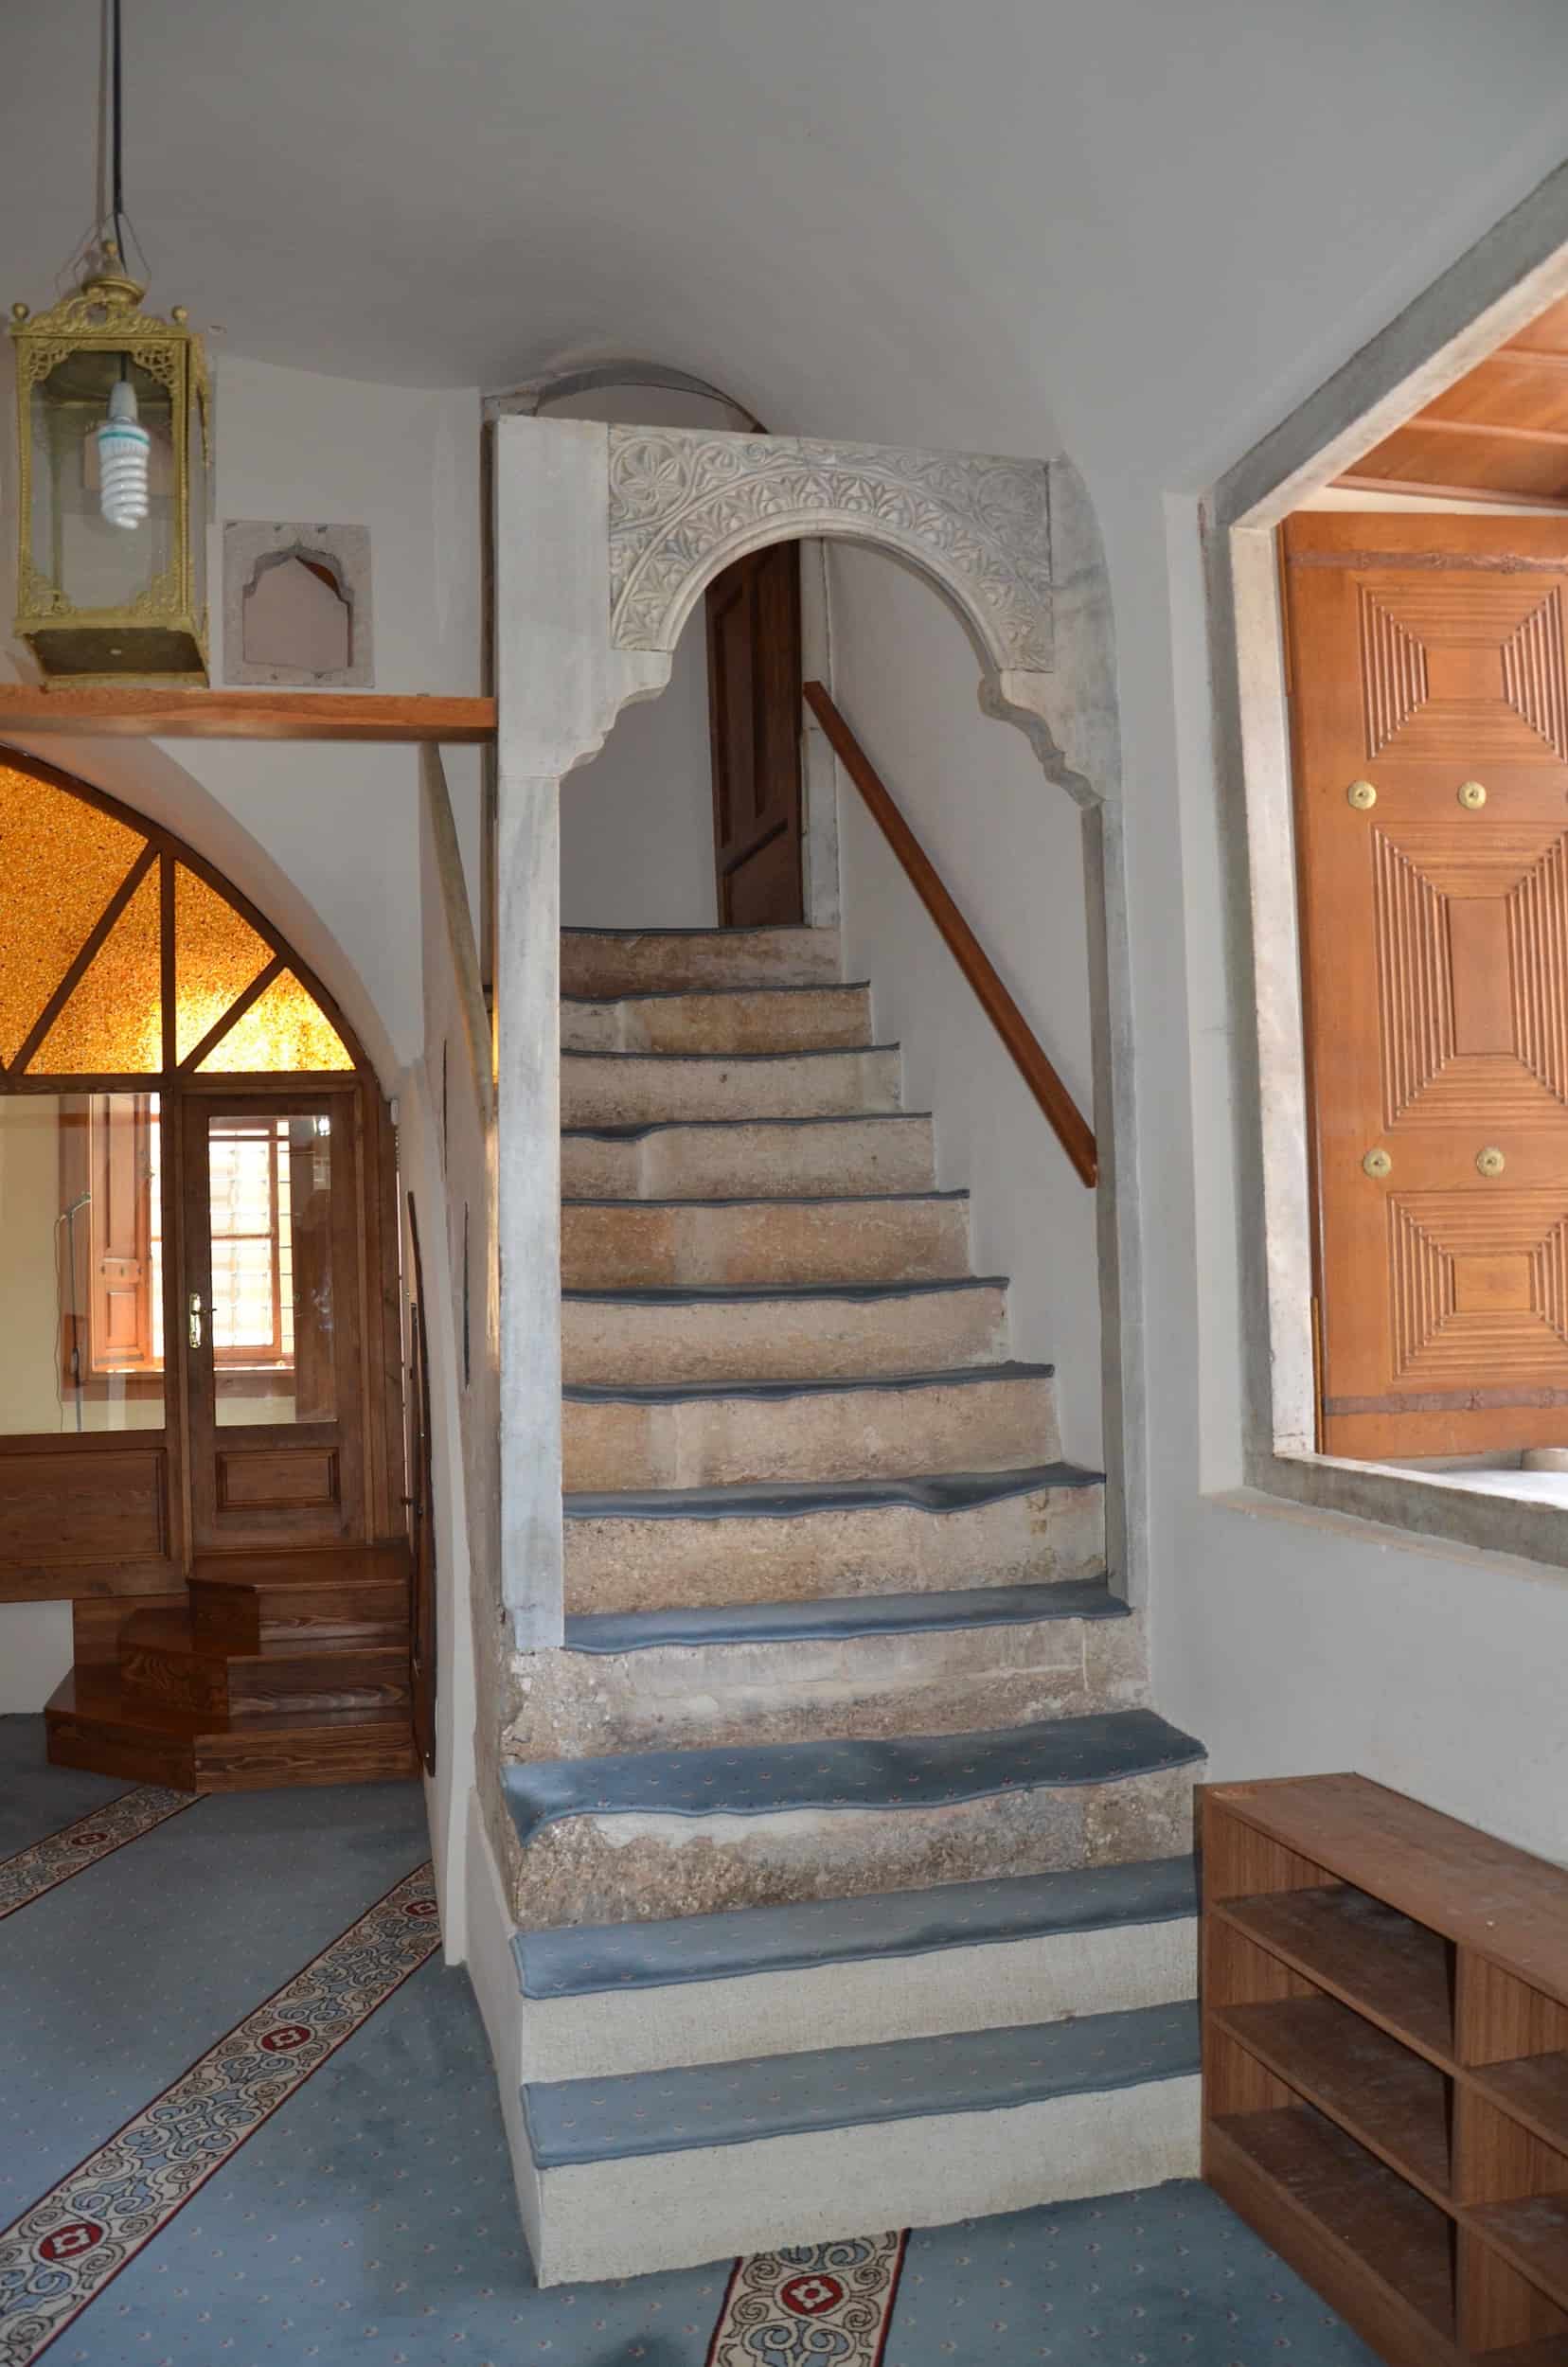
[(902, 1237), (677, 1547), (818, 1332), (625, 1088), (632, 961), (860, 1666), (1032, 1947), (672, 2167), (727, 1019), (719, 1433), (640, 1835), (783, 1158)]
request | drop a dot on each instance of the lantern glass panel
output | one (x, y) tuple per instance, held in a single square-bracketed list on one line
[(95, 564)]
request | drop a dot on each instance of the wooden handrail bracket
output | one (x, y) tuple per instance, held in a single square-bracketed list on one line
[(1071, 1127)]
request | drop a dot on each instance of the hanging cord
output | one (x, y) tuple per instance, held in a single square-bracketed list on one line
[(117, 132)]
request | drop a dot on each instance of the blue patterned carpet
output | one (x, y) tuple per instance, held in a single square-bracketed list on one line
[(371, 2222)]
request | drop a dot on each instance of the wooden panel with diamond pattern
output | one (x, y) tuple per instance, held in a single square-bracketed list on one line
[(1430, 654)]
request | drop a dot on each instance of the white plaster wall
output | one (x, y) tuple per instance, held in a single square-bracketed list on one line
[(1009, 848), (35, 1653), (637, 821)]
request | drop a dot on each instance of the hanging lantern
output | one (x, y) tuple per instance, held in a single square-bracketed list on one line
[(112, 418)]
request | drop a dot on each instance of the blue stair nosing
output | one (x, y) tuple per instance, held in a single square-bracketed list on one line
[(756, 1293), (674, 1951), (687, 928), (690, 995), (934, 1493), (804, 1052), (826, 1618), (760, 1199), (895, 1773), (575, 2122), (772, 1392), (637, 1129)]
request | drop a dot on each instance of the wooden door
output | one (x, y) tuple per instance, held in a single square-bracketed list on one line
[(1429, 695), (272, 1319), (755, 719), (423, 1628)]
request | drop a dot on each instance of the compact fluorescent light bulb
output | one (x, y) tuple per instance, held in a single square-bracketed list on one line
[(123, 449)]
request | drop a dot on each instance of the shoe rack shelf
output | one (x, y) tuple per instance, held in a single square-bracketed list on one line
[(1385, 2064)]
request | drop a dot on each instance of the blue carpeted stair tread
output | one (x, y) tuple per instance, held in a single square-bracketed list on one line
[(756, 1293), (783, 1500), (781, 2095), (587, 1959), (772, 1200), (898, 1773), (713, 1059), (703, 994), (636, 1129), (841, 1617), (700, 1392)]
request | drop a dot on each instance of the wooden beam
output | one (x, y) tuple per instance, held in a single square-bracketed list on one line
[(322, 714)]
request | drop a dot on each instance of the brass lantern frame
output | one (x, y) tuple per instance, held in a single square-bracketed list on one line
[(104, 314)]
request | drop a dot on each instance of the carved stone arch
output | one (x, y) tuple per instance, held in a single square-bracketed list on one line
[(685, 502)]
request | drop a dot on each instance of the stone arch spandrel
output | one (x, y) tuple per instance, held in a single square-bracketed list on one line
[(684, 502)]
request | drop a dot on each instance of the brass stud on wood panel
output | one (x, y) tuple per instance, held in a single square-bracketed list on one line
[(1377, 1164), (1490, 1161), (1361, 794), (1472, 797)]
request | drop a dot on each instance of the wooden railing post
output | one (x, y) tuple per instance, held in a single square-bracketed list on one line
[(1071, 1127)]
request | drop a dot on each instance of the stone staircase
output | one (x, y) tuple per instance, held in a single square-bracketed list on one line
[(853, 1880)]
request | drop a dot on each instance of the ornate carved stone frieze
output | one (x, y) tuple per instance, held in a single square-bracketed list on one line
[(684, 502)]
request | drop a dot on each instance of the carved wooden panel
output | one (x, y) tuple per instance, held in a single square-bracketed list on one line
[(64, 1501), (255, 1479), (1429, 654)]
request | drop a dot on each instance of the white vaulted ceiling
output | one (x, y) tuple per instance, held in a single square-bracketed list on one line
[(908, 218)]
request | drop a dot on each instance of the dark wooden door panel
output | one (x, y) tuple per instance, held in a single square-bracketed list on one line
[(422, 1627), (1429, 666), (754, 709)]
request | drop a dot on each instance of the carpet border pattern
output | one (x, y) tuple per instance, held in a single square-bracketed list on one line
[(65, 2248), (812, 2305), (43, 1865)]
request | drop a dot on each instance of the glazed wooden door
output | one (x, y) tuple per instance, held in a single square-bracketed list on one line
[(755, 717), (270, 1315), (1429, 693)]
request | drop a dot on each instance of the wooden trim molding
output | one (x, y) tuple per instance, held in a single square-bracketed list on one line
[(321, 714), (1067, 1120)]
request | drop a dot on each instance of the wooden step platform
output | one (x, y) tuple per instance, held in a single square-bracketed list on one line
[(281, 1670)]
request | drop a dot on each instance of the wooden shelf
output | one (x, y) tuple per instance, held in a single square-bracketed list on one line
[(1381, 1963), (1534, 2090), (321, 714), (1385, 2064), (1531, 2232), (1292, 2162), (1394, 2102)]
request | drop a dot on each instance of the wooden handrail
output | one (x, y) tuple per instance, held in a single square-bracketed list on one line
[(1071, 1128)]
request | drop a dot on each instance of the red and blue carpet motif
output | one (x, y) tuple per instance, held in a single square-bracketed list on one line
[(58, 2255), (47, 1864), (814, 2305)]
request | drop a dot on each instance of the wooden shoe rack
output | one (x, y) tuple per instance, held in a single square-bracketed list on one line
[(1385, 2063)]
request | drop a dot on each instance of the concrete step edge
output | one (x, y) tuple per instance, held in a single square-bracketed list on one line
[(635, 1129), (712, 1059), (823, 1618), (936, 1492), (752, 1293), (775, 1392), (697, 994)]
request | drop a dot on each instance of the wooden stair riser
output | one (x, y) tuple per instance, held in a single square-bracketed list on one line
[(604, 1341), (814, 1019), (242, 1619), (763, 1242), (655, 1564), (719, 1697), (267, 1685), (627, 1089), (583, 1870), (830, 1434), (612, 962), (730, 1161), (91, 1722)]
